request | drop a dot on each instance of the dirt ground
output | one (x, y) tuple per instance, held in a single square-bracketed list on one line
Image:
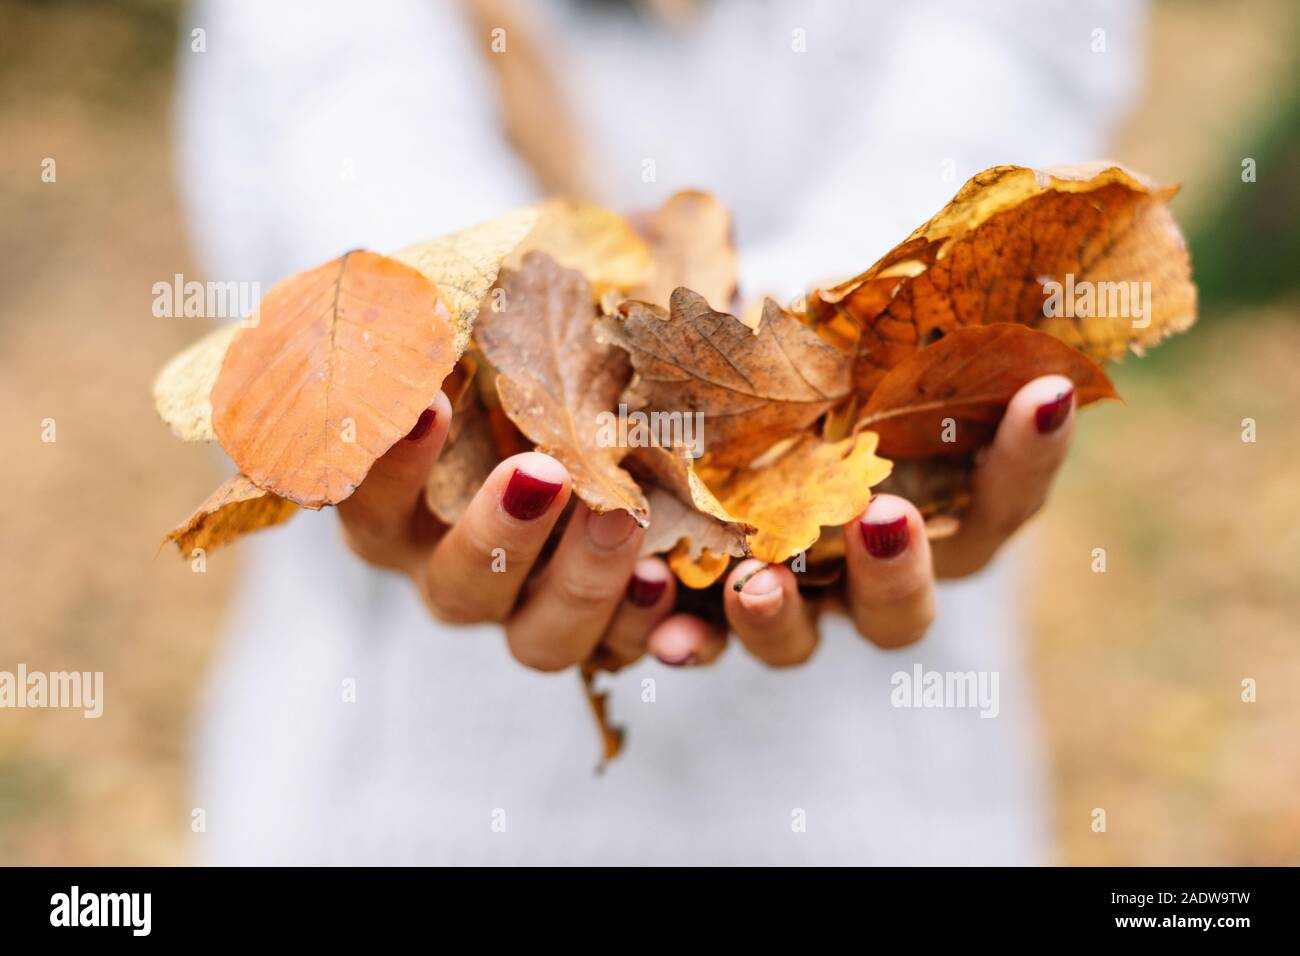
[(1140, 667)]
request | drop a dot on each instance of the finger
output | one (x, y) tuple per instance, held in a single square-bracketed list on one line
[(1013, 476), (684, 640), (890, 588), (477, 569), (385, 520), (571, 605), (768, 613), (647, 600)]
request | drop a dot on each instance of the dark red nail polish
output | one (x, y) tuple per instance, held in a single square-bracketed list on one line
[(885, 539), (422, 425), (1052, 415), (527, 497), (678, 661), (643, 593)]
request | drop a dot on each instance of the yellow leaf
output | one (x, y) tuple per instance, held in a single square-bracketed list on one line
[(235, 509), (182, 392), (464, 264), (600, 244), (815, 484)]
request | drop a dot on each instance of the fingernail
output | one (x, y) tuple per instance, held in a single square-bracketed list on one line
[(609, 530), (762, 594), (422, 426), (1052, 415), (764, 582), (643, 593), (677, 661), (885, 539), (527, 497)]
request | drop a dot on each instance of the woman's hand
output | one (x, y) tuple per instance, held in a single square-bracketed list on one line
[(592, 596), (891, 567), (595, 599)]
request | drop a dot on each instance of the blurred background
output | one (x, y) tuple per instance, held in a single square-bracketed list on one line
[(1140, 669)]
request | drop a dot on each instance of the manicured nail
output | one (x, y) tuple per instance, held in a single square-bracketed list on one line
[(643, 593), (609, 530), (1052, 415), (685, 661), (527, 497), (422, 426), (885, 539)]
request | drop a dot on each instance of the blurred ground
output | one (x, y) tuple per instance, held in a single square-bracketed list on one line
[(1140, 667)]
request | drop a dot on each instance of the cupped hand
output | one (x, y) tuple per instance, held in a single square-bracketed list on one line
[(890, 565), (594, 600), (592, 596)]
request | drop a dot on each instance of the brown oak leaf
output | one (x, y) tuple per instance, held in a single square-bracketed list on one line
[(752, 388)]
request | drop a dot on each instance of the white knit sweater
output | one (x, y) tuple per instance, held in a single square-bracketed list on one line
[(308, 129)]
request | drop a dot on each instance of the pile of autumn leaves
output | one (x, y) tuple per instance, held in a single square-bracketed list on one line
[(542, 322)]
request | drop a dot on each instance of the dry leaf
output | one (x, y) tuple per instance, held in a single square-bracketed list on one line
[(340, 366), (555, 380), (235, 509), (464, 463), (690, 241), (591, 239), (815, 484), (683, 511), (752, 388), (992, 253), (464, 265), (968, 377), (697, 572), (182, 392), (611, 736), (939, 487)]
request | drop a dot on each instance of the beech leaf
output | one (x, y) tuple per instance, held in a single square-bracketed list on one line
[(182, 392), (465, 264), (235, 509), (342, 362), (555, 380)]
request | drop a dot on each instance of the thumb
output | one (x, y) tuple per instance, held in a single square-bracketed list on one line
[(384, 517)]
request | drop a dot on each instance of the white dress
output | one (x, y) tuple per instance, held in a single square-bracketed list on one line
[(831, 130)]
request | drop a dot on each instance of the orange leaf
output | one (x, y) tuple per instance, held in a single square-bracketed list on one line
[(235, 509), (998, 253), (969, 376), (340, 366)]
